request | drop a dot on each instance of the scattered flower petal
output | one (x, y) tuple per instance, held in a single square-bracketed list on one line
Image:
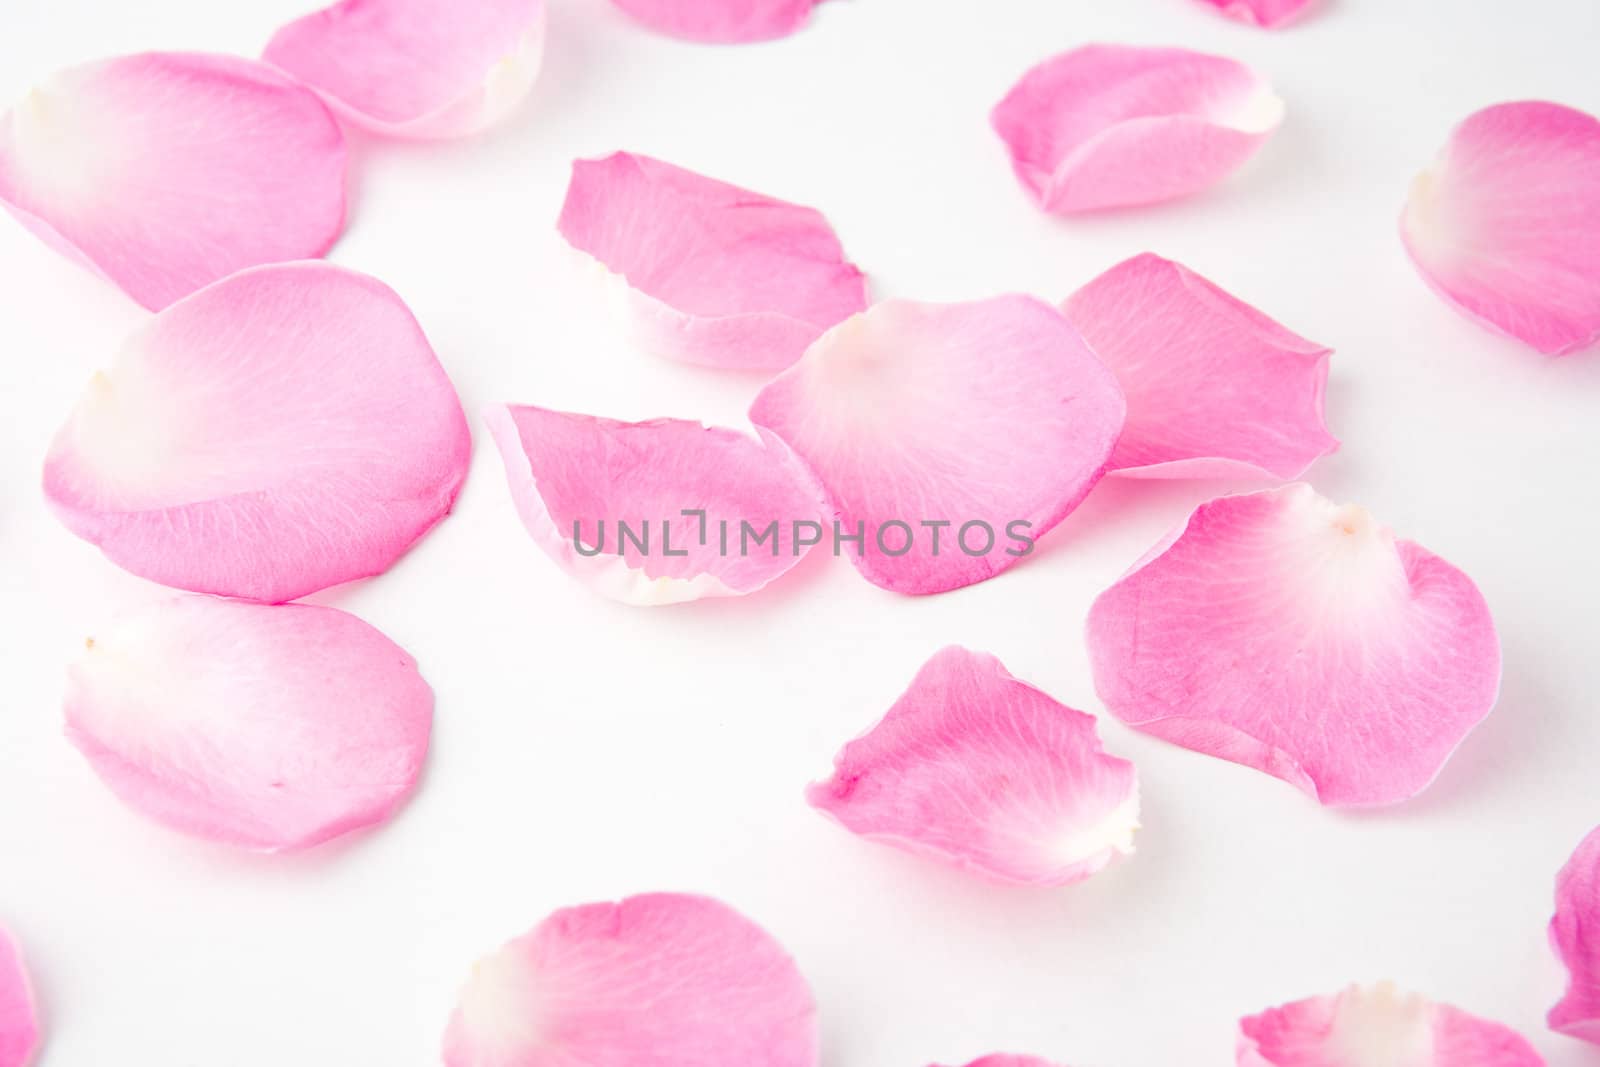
[(708, 273), (1215, 389), (1113, 125), (1505, 225), (1575, 934), (982, 771), (281, 431), (1001, 1059), (1268, 14), (19, 1022), (1284, 632), (721, 21), (660, 980), (167, 171)]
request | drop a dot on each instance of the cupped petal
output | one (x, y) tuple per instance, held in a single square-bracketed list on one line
[(166, 171), (1287, 633), (19, 1019), (1268, 14), (270, 727), (1215, 389), (985, 772), (1505, 225), (1106, 126), (417, 68), (710, 273), (283, 430), (658, 980), (721, 21), (1575, 935)]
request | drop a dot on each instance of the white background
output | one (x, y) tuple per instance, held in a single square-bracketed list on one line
[(585, 750)]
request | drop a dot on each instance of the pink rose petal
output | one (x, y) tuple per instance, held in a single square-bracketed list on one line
[(1575, 934), (578, 479), (417, 68), (989, 417), (1268, 14), (660, 980), (1002, 1059), (1505, 225), (721, 21), (1284, 632), (1215, 389), (167, 171), (1113, 125), (265, 726), (281, 431), (19, 1022), (709, 273), (1377, 1027), (982, 771)]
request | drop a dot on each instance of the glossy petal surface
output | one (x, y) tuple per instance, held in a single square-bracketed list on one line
[(721, 21), (19, 1022), (1575, 935)]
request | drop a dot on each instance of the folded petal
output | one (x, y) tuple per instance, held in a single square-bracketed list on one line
[(19, 1023), (167, 171), (1268, 14), (975, 768), (1215, 389), (1287, 633), (721, 21), (708, 273), (1114, 125), (1377, 1027), (1575, 935), (265, 726), (281, 431), (659, 980), (1505, 225), (417, 68)]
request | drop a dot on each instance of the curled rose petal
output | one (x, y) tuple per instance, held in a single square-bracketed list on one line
[(721, 21), (663, 979), (1215, 389), (1113, 125), (1575, 935), (266, 726), (281, 431), (948, 436), (167, 171), (708, 273), (977, 769), (1378, 1027), (1287, 633), (19, 1022), (1269, 14), (1505, 225), (417, 68)]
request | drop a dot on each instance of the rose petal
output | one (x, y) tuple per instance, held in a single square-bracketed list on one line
[(975, 768), (417, 68), (711, 274), (990, 417), (266, 726), (578, 479), (1377, 1027), (283, 430), (721, 21), (1505, 225), (1215, 389), (1002, 1059), (1269, 14), (1284, 632), (19, 1023), (1575, 935), (660, 980), (1112, 125), (167, 171)]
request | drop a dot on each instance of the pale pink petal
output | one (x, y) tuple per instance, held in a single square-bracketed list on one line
[(1505, 225), (949, 436), (659, 980), (167, 171), (417, 68), (19, 1019), (721, 21), (980, 770), (1287, 633), (709, 273), (1377, 1027), (283, 430), (266, 726), (1269, 14), (1575, 934), (1114, 125), (1215, 389), (1002, 1059), (657, 512)]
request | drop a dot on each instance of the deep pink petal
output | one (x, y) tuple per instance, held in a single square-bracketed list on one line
[(1268, 14), (660, 980), (283, 430), (1575, 934), (19, 1020), (1113, 125), (721, 21), (266, 726), (1506, 224), (975, 768), (1284, 632), (167, 171), (1002, 1059), (711, 273), (992, 418), (1215, 389), (417, 68)]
